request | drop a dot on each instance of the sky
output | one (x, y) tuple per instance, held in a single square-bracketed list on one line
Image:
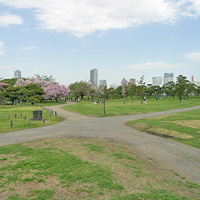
[(120, 38)]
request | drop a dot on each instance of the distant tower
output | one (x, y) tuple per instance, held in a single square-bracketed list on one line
[(168, 77), (17, 74), (94, 76), (103, 83), (157, 81)]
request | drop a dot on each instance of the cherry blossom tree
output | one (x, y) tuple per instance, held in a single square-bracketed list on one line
[(1, 87), (56, 91)]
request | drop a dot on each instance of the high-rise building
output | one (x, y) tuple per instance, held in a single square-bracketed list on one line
[(103, 83), (168, 77), (94, 76), (132, 80), (157, 81), (17, 74)]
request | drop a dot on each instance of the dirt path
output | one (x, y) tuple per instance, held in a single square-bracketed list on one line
[(183, 159)]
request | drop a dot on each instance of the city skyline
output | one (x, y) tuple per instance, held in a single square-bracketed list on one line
[(141, 38)]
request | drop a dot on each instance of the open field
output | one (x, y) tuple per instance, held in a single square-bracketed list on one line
[(86, 169), (7, 113), (116, 107), (182, 127)]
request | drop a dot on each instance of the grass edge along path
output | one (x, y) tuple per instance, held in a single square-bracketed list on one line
[(85, 169), (181, 127)]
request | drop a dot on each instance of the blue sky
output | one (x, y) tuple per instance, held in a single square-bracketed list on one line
[(121, 38)]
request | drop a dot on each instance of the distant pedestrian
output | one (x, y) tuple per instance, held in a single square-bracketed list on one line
[(78, 100), (145, 100)]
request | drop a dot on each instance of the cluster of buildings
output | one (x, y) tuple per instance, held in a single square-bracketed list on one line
[(168, 77), (155, 80)]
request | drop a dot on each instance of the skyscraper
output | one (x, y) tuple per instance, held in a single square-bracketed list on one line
[(94, 76), (17, 74), (103, 82), (168, 77), (157, 81)]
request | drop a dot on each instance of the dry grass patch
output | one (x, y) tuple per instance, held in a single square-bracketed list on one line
[(188, 123), (168, 132)]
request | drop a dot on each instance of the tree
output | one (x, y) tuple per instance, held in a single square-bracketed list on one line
[(141, 88), (181, 85), (31, 93), (2, 89), (170, 88), (79, 89), (124, 84), (11, 81), (56, 91), (43, 81), (12, 93), (131, 90)]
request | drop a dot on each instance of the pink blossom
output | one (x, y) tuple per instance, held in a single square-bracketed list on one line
[(3, 84), (56, 91)]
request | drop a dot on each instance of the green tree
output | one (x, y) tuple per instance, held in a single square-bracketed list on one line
[(181, 85), (141, 87), (131, 90), (11, 81), (78, 89), (169, 88), (11, 93), (31, 93)]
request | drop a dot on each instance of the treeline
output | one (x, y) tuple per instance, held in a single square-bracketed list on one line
[(34, 89), (37, 88), (182, 88)]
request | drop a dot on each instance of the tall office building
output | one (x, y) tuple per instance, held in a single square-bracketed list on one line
[(168, 77), (157, 81), (103, 83), (94, 76), (17, 74)]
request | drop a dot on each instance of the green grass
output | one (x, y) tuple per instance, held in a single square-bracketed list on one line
[(179, 122), (85, 169), (7, 113), (117, 107)]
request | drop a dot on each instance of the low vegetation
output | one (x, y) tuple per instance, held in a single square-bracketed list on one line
[(116, 106), (20, 115), (182, 127), (86, 169)]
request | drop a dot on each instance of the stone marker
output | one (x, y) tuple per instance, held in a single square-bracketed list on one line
[(37, 115)]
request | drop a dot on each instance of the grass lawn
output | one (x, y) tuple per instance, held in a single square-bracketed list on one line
[(117, 107), (21, 111), (86, 169), (182, 127)]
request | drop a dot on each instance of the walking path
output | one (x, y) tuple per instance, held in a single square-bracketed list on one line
[(180, 158)]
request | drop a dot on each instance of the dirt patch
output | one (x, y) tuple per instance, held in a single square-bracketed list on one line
[(188, 123), (170, 133), (163, 116)]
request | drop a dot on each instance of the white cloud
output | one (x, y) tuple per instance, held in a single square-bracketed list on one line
[(29, 48), (8, 19), (1, 48), (150, 66), (82, 17), (6, 67), (195, 56)]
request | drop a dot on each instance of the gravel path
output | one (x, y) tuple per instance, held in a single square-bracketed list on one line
[(180, 158)]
